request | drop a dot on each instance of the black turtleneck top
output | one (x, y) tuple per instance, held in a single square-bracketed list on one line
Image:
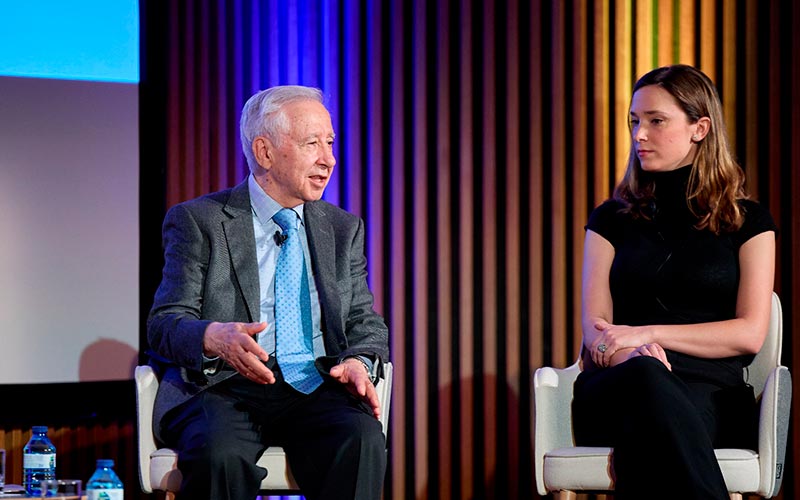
[(665, 271)]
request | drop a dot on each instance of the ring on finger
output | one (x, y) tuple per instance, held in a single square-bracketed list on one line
[(602, 348)]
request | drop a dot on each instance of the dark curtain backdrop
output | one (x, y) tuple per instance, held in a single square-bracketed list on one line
[(474, 138)]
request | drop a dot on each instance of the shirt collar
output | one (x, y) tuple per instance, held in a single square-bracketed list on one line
[(264, 206)]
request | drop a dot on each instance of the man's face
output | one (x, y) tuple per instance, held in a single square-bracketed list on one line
[(300, 165)]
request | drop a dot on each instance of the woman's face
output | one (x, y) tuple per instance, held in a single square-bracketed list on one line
[(663, 137)]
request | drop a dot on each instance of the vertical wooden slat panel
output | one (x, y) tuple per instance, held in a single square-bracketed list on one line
[(536, 191), (375, 156), (421, 244), (666, 41), (512, 222), (623, 81), (601, 79), (776, 109), (200, 137), (488, 261), (467, 252), (235, 89), (685, 33), (188, 97), (644, 33), (397, 312), (351, 111), (290, 38), (222, 159), (728, 72), (708, 37), (331, 54), (468, 212), (254, 62), (173, 113), (557, 208), (444, 255), (751, 108), (580, 166)]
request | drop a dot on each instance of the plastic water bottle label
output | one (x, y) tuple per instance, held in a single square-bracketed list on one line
[(109, 494), (38, 460)]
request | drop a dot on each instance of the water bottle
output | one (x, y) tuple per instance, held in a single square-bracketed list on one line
[(104, 483), (38, 461)]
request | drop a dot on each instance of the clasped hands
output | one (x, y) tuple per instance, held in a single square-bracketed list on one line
[(622, 342), (235, 344)]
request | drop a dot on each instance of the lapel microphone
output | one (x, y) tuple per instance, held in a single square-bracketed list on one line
[(279, 238)]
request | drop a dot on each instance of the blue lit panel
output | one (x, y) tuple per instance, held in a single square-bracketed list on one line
[(81, 40)]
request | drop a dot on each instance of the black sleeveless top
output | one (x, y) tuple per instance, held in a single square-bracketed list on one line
[(667, 272)]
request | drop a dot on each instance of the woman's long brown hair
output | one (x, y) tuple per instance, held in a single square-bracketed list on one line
[(716, 180)]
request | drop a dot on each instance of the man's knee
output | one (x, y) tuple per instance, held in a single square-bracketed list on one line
[(366, 431)]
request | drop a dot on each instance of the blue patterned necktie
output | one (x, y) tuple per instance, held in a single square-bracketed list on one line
[(293, 330)]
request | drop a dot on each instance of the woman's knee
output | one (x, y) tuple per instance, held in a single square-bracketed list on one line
[(644, 373)]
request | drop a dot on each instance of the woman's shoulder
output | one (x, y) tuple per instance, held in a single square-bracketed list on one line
[(604, 219), (608, 210), (757, 219)]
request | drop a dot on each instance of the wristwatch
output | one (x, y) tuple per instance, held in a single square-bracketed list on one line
[(369, 365)]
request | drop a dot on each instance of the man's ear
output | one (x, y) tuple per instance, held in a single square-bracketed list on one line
[(262, 151), (702, 127)]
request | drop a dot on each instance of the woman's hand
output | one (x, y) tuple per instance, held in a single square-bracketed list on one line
[(654, 351), (612, 338)]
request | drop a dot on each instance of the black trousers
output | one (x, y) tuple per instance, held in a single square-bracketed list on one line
[(334, 444), (663, 429)]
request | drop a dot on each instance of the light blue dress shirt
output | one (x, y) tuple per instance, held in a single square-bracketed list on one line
[(267, 249)]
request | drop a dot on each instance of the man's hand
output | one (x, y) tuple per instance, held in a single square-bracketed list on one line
[(234, 343), (354, 375)]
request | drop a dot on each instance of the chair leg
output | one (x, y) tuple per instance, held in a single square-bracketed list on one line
[(736, 496), (566, 495)]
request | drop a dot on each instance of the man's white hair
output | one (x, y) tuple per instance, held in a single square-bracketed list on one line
[(263, 114)]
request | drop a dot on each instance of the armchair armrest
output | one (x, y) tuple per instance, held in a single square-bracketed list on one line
[(552, 400), (773, 429), (146, 388), (384, 389)]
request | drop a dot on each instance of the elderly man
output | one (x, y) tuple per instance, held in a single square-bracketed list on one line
[(263, 326)]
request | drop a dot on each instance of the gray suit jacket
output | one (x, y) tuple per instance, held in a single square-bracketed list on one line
[(210, 274)]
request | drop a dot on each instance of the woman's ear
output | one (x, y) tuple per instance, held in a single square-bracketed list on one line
[(702, 127)]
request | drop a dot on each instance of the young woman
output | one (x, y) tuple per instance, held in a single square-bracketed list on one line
[(677, 280)]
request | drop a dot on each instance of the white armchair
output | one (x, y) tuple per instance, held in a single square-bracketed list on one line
[(562, 468), (158, 467)]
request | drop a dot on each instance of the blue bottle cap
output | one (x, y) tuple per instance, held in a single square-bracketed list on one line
[(105, 462), (39, 428)]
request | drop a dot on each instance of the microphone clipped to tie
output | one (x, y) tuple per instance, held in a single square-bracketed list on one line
[(279, 238)]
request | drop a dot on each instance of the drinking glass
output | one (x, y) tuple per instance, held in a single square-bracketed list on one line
[(67, 488)]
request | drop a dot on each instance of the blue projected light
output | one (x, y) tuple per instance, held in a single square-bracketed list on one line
[(82, 40)]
